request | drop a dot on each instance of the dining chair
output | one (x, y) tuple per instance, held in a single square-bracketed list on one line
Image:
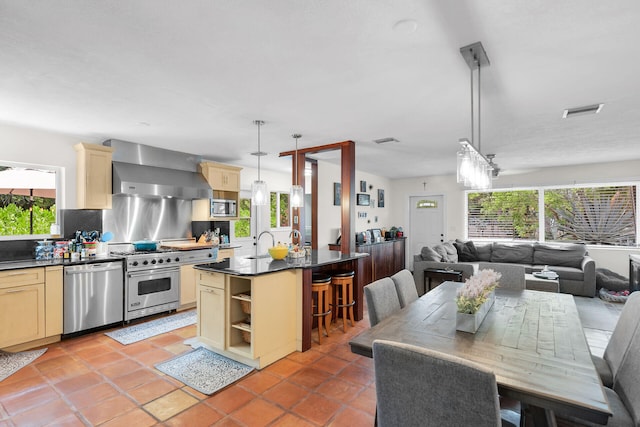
[(624, 398), (416, 386), (405, 286), (607, 365), (382, 299), (512, 274)]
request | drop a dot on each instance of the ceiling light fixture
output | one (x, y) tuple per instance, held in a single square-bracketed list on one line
[(297, 192), (259, 190), (473, 169), (587, 109)]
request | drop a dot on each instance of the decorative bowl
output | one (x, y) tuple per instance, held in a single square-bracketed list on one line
[(278, 252)]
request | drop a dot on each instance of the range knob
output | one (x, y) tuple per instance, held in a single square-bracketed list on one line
[(153, 261), (145, 262), (168, 259), (160, 261), (177, 259), (134, 263)]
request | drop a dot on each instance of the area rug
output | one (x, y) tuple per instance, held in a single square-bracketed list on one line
[(10, 363), (204, 370), (154, 327)]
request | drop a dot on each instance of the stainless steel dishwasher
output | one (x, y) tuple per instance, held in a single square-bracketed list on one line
[(93, 295)]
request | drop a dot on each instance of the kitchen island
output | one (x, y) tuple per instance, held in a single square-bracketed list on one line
[(273, 295)]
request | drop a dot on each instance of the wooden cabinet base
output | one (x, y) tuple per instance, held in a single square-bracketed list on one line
[(32, 344)]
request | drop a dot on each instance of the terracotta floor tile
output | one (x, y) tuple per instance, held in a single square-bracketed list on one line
[(229, 422), (365, 401), (351, 417), (230, 399), (357, 374), (342, 391), (186, 332), (42, 414), (290, 420), (9, 390), (137, 348), (28, 371), (135, 379), (317, 409), (50, 364), (152, 357), (178, 348), (53, 351), (344, 352), (310, 377), (170, 404), (195, 393), (284, 367), (5, 423), (134, 418), (70, 420), (166, 339), (198, 415), (67, 371), (92, 395), (29, 399), (259, 381), (285, 394), (150, 391), (258, 413), (105, 359), (79, 382), (120, 368), (107, 409), (94, 351), (330, 364), (305, 358)]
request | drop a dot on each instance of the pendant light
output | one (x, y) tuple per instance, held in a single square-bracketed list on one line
[(259, 192), (297, 192)]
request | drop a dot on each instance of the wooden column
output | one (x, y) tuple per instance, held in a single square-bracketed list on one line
[(348, 186)]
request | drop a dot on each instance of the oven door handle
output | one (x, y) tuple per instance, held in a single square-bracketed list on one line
[(153, 272)]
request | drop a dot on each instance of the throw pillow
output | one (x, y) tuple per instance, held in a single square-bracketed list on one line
[(429, 254), (466, 251), (452, 252), (564, 255), (440, 249), (484, 252), (514, 253)]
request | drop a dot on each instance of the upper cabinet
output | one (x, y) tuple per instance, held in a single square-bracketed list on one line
[(93, 179), (221, 177)]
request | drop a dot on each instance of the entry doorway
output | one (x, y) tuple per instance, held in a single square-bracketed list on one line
[(426, 222)]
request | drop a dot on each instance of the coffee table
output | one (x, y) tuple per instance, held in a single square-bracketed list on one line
[(534, 283), (440, 274)]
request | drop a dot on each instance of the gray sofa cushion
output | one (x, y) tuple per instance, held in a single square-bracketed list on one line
[(566, 255), (514, 253), (484, 252), (466, 251), (428, 254)]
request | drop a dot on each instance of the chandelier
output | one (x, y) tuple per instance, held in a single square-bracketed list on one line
[(259, 192), (297, 191), (474, 170)]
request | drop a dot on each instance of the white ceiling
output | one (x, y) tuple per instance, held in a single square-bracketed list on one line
[(193, 75)]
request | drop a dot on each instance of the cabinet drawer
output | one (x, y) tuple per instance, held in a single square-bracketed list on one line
[(26, 276), (212, 279)]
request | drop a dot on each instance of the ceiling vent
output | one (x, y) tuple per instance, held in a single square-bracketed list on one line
[(588, 109), (385, 140)]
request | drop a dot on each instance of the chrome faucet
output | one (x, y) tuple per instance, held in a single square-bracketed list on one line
[(273, 239)]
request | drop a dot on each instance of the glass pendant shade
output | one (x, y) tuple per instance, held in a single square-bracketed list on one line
[(297, 196), (259, 193)]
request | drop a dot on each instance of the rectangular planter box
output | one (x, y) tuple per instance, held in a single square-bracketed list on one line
[(471, 322)]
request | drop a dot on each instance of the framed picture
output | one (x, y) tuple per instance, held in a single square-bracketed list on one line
[(363, 186), (362, 199), (380, 198), (337, 194)]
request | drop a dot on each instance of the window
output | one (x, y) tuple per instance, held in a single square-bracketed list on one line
[(27, 199), (597, 215), (242, 226), (280, 210)]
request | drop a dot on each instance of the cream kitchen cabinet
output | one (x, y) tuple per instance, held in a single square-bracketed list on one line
[(93, 176), (259, 316), (22, 306), (221, 177), (211, 309), (188, 284), (53, 295)]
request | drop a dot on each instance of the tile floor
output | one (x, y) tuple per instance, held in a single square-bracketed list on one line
[(94, 380)]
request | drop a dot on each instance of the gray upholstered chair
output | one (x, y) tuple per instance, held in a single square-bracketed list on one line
[(420, 387), (512, 274), (382, 299), (607, 366), (405, 286), (624, 398)]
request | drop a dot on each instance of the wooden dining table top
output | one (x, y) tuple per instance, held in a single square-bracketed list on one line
[(533, 341)]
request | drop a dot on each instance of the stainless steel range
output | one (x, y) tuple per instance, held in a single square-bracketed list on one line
[(152, 279)]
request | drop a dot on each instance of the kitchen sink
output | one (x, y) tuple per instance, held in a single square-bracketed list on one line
[(259, 256)]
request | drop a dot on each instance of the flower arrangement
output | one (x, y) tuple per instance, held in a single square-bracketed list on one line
[(476, 290)]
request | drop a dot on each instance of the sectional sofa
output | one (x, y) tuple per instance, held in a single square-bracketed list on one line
[(576, 270)]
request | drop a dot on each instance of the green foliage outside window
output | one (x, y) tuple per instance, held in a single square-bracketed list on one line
[(16, 219), (279, 209), (242, 225)]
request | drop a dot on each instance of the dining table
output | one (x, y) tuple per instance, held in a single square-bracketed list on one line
[(533, 341)]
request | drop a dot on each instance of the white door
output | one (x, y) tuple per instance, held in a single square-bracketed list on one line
[(426, 222)]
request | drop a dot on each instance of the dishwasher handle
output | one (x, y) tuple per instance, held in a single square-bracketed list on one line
[(93, 268)]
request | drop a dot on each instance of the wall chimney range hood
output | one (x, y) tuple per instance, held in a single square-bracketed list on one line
[(143, 170)]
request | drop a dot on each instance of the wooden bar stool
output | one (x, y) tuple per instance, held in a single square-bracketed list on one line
[(320, 286), (342, 282)]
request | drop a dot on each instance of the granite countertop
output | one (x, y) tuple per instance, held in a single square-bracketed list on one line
[(248, 266), (30, 263), (381, 242)]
